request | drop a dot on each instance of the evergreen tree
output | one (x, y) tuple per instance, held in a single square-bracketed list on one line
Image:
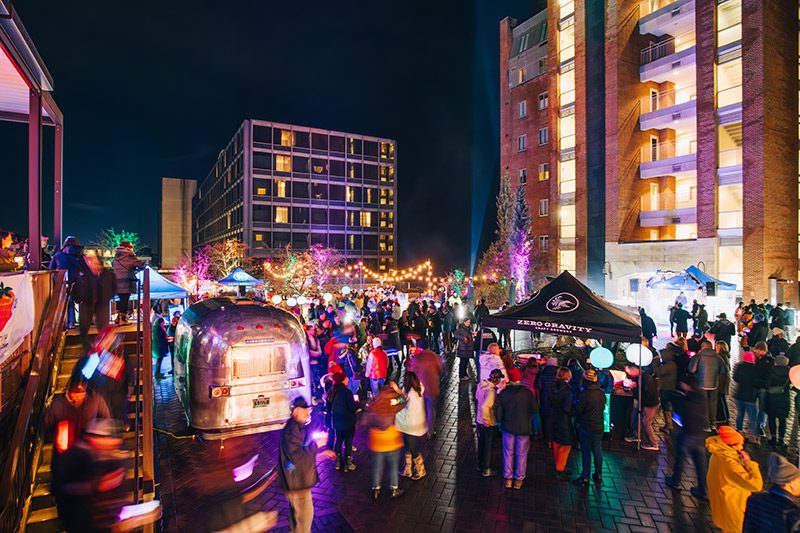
[(519, 244)]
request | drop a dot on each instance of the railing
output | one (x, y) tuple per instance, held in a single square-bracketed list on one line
[(657, 51), (730, 158), (730, 219), (668, 150), (669, 97), (18, 472), (729, 95), (143, 425)]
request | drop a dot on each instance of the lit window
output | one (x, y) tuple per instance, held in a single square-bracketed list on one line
[(387, 150), (261, 191), (366, 218), (544, 207), (280, 188), (522, 75), (544, 241), (543, 101), (543, 136), (287, 138), (522, 108), (523, 176), (351, 195), (522, 143), (387, 174), (259, 237), (542, 65), (283, 163), (544, 171), (281, 215)]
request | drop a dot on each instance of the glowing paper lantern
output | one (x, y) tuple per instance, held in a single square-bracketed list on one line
[(302, 300), (291, 302), (346, 290), (634, 351), (276, 299), (601, 357), (327, 297), (794, 376)]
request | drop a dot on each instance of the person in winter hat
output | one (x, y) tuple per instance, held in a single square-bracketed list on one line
[(412, 424), (125, 264), (732, 478), (775, 510)]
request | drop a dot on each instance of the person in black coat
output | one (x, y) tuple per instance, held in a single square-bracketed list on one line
[(342, 408), (649, 330), (681, 317), (777, 405), (589, 416), (543, 385), (775, 510), (758, 331), (297, 468), (746, 392), (723, 329), (560, 421), (464, 348), (691, 405)]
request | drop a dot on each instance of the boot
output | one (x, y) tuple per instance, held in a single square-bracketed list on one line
[(407, 470), (419, 468), (338, 462), (350, 465)]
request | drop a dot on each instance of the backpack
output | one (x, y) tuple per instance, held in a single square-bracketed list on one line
[(85, 286)]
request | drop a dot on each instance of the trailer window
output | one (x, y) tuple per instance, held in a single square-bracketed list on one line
[(274, 360)]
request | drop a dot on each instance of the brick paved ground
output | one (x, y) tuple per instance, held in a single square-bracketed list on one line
[(198, 495)]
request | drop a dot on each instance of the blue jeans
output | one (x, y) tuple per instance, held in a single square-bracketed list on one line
[(743, 407), (693, 446), (762, 413), (591, 446), (376, 384), (378, 460), (515, 455)]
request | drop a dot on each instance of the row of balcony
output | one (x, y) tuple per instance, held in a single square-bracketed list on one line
[(679, 158)]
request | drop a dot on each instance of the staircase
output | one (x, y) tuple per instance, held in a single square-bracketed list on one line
[(41, 515)]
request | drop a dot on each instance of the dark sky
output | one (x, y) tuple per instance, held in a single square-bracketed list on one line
[(152, 89)]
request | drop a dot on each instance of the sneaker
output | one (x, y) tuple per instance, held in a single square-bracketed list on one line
[(650, 447), (697, 494), (489, 472), (507, 483), (670, 482), (631, 439), (581, 482), (517, 484)]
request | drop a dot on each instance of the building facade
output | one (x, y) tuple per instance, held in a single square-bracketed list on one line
[(175, 220), (660, 156), (276, 185)]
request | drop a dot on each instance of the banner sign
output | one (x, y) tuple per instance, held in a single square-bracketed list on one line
[(16, 312)]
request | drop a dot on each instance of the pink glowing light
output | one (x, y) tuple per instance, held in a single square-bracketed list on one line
[(240, 473)]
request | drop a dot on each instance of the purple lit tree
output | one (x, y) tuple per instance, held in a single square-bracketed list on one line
[(519, 244), (194, 273), (324, 260)]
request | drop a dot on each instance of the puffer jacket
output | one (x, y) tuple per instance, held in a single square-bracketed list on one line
[(707, 366), (730, 484), (668, 371), (125, 263), (69, 259), (465, 342), (411, 419), (485, 397), (560, 410), (489, 362), (774, 510)]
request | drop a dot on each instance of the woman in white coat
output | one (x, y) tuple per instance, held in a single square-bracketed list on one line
[(411, 422)]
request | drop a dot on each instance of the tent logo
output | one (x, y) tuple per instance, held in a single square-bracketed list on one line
[(563, 302)]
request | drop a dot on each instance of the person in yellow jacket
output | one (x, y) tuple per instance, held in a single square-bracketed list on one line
[(732, 477)]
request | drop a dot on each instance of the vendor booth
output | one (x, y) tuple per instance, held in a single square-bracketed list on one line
[(160, 287), (240, 279), (665, 286), (565, 306)]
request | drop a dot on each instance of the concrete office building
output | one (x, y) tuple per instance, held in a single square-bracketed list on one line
[(175, 220), (279, 184), (660, 157)]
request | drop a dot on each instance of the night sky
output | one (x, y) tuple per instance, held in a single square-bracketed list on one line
[(152, 89)]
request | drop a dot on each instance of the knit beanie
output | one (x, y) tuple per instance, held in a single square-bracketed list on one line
[(780, 470), (749, 357), (730, 436)]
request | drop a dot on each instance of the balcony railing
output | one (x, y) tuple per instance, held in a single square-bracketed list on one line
[(729, 95), (667, 47), (730, 158), (668, 98), (730, 219), (669, 149)]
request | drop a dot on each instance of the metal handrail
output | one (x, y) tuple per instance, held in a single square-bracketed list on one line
[(17, 474), (670, 96)]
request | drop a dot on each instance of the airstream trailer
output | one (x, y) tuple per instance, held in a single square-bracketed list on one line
[(238, 366)]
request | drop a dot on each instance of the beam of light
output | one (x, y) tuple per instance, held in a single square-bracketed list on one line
[(240, 473), (129, 511), (91, 365)]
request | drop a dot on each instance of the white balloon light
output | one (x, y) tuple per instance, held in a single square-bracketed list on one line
[(346, 290), (794, 376), (302, 300), (276, 299), (601, 357), (327, 297), (633, 351), (291, 302)]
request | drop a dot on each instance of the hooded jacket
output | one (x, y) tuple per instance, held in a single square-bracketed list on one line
[(764, 508), (723, 330), (730, 483), (485, 396), (707, 366), (125, 263), (428, 368), (589, 412), (297, 466), (465, 340), (668, 371), (489, 362), (69, 259)]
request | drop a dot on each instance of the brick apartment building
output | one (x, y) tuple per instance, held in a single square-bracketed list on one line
[(672, 139), (278, 184)]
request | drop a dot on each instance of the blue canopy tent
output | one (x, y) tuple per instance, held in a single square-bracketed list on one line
[(691, 279), (241, 279), (160, 287), (704, 278)]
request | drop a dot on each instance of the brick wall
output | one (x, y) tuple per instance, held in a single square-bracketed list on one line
[(706, 119), (769, 122)]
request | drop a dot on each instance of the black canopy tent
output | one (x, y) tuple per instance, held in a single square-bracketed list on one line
[(565, 306)]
